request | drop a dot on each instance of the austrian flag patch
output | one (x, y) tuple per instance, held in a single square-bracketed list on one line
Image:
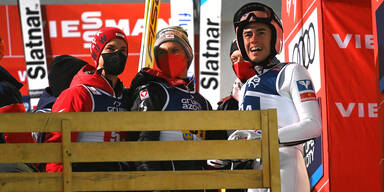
[(306, 91), (144, 94)]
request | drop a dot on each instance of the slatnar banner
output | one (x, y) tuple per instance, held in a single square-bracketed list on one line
[(209, 74), (34, 48)]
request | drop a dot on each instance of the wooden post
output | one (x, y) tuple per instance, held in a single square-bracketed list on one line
[(274, 151), (265, 148), (66, 147)]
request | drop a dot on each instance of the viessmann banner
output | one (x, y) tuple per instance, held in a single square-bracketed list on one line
[(303, 45), (326, 33), (351, 95), (68, 29), (378, 31)]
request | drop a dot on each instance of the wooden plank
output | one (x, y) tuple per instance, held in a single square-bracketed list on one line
[(29, 122), (165, 150), (31, 182), (166, 180), (274, 151), (132, 151), (167, 120), (265, 148), (67, 155), (131, 121), (31, 153), (135, 181)]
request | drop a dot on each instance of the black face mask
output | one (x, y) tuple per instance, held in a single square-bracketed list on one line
[(114, 63)]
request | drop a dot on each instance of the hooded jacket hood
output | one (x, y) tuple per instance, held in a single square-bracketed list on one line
[(46, 100), (89, 76)]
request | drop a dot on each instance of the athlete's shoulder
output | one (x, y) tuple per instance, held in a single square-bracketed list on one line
[(152, 87), (294, 66), (149, 96), (73, 99)]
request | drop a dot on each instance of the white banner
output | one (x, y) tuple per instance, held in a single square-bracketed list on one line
[(34, 49), (209, 75), (182, 15), (304, 49)]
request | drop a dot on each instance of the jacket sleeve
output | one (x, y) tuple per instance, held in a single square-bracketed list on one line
[(149, 97), (298, 85), (75, 99)]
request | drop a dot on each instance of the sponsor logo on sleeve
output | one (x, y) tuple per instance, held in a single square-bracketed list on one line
[(144, 94), (306, 91)]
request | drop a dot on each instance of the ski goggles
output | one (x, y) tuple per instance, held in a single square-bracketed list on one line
[(256, 12)]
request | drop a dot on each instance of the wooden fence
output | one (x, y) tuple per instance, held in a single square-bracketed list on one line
[(68, 152)]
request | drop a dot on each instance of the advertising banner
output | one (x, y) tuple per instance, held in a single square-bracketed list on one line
[(351, 84), (378, 31), (210, 43), (34, 48), (182, 15), (303, 44), (69, 29)]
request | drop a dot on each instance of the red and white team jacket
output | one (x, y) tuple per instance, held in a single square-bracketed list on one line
[(88, 92)]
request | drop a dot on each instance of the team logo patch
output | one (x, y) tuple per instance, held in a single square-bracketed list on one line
[(307, 93), (169, 36), (144, 94)]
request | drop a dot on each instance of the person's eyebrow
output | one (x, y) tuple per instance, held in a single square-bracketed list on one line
[(261, 29), (110, 45)]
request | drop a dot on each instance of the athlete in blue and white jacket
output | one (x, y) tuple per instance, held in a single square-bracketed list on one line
[(286, 87), (167, 88)]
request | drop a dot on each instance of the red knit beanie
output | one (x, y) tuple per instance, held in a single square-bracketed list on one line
[(101, 38)]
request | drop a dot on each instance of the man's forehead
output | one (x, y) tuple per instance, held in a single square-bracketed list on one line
[(171, 44), (256, 26)]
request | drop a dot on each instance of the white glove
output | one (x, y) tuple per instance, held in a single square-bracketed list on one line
[(245, 134), (217, 163)]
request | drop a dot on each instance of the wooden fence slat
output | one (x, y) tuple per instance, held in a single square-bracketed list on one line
[(31, 182), (274, 151), (119, 181), (265, 148), (131, 151), (166, 180), (165, 150), (30, 122), (67, 155), (31, 153), (131, 121)]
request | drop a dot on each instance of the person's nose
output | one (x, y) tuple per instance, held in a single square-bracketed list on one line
[(254, 38)]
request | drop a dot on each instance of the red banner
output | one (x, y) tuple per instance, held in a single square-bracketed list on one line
[(378, 31), (351, 90), (69, 29), (303, 42)]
